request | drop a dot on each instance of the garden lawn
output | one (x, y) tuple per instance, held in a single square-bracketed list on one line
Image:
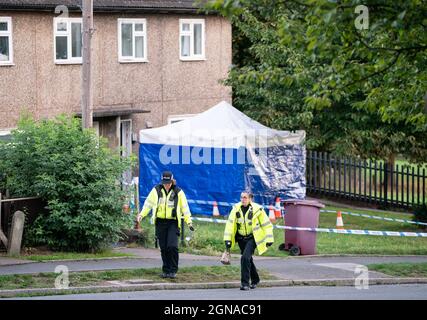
[(208, 237)]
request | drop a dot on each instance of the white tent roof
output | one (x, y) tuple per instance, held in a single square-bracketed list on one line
[(221, 126)]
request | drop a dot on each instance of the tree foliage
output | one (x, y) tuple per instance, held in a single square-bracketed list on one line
[(76, 174), (308, 65)]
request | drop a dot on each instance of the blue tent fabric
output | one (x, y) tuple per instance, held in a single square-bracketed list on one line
[(219, 153), (205, 183)]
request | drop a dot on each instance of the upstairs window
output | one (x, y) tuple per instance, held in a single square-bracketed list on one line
[(68, 40), (6, 50), (132, 40), (192, 39)]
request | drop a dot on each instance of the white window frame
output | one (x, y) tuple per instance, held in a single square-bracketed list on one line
[(177, 118), (9, 34), (127, 59), (96, 127), (192, 22), (70, 59)]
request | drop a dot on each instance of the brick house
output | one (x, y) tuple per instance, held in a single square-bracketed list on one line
[(154, 62)]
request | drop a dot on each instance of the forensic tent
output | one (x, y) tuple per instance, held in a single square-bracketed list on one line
[(217, 154)]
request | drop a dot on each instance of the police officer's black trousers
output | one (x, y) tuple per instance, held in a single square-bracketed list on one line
[(247, 247), (167, 232)]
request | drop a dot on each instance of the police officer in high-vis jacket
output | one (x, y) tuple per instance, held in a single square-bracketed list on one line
[(168, 204), (250, 227)]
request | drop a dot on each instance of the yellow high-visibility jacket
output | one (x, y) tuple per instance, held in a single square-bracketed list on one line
[(262, 229), (172, 205)]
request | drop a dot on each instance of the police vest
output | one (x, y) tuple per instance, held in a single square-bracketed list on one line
[(244, 224), (173, 199)]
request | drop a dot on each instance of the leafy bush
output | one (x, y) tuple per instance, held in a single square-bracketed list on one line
[(78, 176)]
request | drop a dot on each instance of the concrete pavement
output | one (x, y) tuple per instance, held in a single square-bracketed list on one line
[(7, 261), (287, 268), (303, 270), (400, 292)]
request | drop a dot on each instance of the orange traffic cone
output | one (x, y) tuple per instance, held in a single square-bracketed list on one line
[(215, 211), (340, 223), (271, 214), (277, 210)]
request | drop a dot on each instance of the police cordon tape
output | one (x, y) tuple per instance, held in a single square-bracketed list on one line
[(266, 207), (376, 217), (342, 231)]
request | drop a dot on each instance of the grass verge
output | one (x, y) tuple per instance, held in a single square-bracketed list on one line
[(93, 278), (42, 255), (410, 270)]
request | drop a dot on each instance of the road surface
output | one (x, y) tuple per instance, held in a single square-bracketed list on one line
[(383, 292)]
